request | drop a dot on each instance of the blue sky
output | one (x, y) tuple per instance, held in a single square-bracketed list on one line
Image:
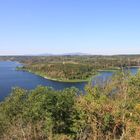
[(64, 26)]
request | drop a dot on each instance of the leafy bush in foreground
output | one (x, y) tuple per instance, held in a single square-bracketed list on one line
[(103, 113)]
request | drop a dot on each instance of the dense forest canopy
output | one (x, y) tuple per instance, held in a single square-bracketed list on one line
[(73, 68), (109, 112), (98, 61)]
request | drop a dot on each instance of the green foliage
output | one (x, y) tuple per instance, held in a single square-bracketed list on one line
[(108, 123), (62, 71), (108, 112)]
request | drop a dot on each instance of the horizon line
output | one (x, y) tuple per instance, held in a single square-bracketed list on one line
[(69, 54)]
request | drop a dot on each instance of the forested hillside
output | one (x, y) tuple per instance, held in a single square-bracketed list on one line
[(73, 68), (62, 71), (109, 112)]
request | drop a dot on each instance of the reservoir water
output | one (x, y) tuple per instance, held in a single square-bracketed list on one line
[(10, 77)]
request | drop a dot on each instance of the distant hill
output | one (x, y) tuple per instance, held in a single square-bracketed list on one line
[(77, 53), (46, 54), (65, 54)]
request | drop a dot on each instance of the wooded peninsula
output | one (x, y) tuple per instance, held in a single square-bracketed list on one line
[(74, 68)]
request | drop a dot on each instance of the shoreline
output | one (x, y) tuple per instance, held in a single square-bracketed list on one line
[(73, 81), (58, 80)]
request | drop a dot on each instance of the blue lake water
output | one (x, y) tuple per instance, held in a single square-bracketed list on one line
[(10, 77)]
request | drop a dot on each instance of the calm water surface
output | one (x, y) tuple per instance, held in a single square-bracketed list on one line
[(10, 77)]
